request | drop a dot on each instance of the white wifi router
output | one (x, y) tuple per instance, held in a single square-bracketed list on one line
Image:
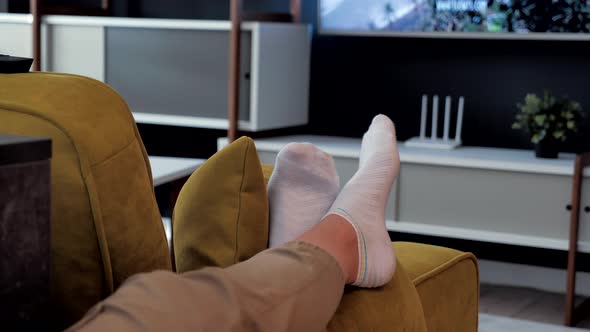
[(434, 141)]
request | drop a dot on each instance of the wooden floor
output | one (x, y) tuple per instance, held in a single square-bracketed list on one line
[(524, 303)]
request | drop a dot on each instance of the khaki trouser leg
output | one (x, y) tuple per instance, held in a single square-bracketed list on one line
[(293, 288)]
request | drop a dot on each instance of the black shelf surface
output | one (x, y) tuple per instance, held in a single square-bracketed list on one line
[(21, 149), (13, 65)]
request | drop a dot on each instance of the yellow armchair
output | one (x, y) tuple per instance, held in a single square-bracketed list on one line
[(106, 225)]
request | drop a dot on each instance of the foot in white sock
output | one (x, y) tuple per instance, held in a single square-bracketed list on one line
[(363, 200), (303, 186)]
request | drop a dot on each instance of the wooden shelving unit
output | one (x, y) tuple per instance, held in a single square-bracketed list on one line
[(38, 10), (237, 17)]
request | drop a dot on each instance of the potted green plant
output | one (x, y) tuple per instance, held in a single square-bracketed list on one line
[(549, 121)]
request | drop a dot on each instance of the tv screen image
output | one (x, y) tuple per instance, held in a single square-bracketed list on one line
[(491, 16)]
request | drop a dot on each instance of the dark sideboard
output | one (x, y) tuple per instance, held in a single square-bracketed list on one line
[(24, 231)]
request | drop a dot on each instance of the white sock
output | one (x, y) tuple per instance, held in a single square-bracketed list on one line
[(363, 200), (303, 186)]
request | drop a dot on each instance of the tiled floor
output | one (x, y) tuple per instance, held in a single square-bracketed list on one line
[(524, 303)]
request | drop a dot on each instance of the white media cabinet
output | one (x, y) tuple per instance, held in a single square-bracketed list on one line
[(482, 194), (175, 72)]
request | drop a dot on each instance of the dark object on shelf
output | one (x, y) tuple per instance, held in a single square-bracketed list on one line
[(547, 148), (24, 232), (12, 65), (13, 6), (268, 17)]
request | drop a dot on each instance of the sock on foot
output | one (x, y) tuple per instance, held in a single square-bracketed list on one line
[(363, 200), (301, 189)]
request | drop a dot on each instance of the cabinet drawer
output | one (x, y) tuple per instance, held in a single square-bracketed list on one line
[(25, 243), (175, 72), (479, 199), (16, 39)]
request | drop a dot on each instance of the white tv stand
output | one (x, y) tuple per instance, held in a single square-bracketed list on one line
[(482, 194)]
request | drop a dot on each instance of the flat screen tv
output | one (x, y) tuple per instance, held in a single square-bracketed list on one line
[(544, 19)]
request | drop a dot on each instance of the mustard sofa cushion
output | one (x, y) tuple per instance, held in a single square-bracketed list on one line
[(447, 281), (221, 215), (394, 307), (266, 172), (105, 223)]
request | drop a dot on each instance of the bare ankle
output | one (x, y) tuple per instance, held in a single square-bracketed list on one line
[(338, 238)]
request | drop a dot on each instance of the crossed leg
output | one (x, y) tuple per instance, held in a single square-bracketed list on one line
[(296, 286)]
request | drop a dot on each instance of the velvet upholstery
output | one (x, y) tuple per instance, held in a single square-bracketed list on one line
[(105, 223), (266, 172), (447, 281), (221, 215), (393, 307)]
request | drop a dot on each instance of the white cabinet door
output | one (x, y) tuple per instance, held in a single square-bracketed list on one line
[(476, 199), (16, 40), (74, 50)]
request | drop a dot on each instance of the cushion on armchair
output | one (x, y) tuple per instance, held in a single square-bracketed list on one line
[(221, 215)]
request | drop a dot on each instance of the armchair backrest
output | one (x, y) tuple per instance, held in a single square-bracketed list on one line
[(105, 221)]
